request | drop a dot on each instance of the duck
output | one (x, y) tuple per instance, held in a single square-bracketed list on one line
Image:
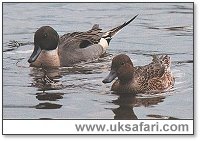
[(50, 50), (155, 77)]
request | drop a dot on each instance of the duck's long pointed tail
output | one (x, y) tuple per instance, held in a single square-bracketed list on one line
[(109, 34)]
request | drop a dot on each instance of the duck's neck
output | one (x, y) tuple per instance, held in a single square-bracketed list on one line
[(127, 77), (47, 59), (125, 81)]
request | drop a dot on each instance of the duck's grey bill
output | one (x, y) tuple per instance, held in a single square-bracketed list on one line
[(35, 54), (112, 75)]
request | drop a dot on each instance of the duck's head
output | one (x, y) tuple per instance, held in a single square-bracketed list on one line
[(45, 38), (122, 67)]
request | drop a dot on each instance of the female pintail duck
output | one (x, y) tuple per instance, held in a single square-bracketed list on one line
[(71, 48), (154, 77)]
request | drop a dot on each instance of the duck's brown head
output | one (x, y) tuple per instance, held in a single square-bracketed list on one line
[(122, 67)]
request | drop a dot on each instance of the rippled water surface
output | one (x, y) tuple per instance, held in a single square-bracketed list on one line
[(78, 92)]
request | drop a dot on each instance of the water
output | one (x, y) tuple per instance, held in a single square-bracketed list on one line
[(78, 92)]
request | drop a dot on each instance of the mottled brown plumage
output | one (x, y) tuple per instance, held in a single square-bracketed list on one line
[(154, 77)]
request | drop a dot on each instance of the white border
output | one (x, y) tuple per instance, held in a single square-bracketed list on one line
[(196, 137), (111, 127), (97, 1)]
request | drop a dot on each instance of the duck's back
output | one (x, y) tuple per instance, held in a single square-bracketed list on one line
[(156, 76), (80, 46)]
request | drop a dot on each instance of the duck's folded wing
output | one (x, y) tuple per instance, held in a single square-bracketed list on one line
[(77, 40), (151, 71)]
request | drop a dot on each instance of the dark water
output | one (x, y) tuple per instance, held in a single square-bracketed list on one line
[(78, 92)]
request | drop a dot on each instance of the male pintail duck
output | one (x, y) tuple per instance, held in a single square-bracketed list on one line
[(71, 48), (155, 77)]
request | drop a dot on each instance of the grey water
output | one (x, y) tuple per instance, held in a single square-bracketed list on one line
[(78, 92)]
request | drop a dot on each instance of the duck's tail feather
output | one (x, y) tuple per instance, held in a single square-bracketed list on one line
[(109, 34)]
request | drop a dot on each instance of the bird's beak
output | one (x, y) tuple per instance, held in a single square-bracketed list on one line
[(112, 75), (36, 52)]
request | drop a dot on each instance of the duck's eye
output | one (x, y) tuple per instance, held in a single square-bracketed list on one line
[(122, 63), (45, 35)]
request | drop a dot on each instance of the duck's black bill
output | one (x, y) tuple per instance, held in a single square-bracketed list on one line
[(112, 75), (36, 52)]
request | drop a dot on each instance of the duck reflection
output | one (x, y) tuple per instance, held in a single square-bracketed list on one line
[(48, 105), (46, 80), (49, 96), (125, 109), (127, 102)]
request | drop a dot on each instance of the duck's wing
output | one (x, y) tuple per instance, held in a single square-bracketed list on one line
[(156, 76), (77, 40), (144, 74), (150, 71)]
